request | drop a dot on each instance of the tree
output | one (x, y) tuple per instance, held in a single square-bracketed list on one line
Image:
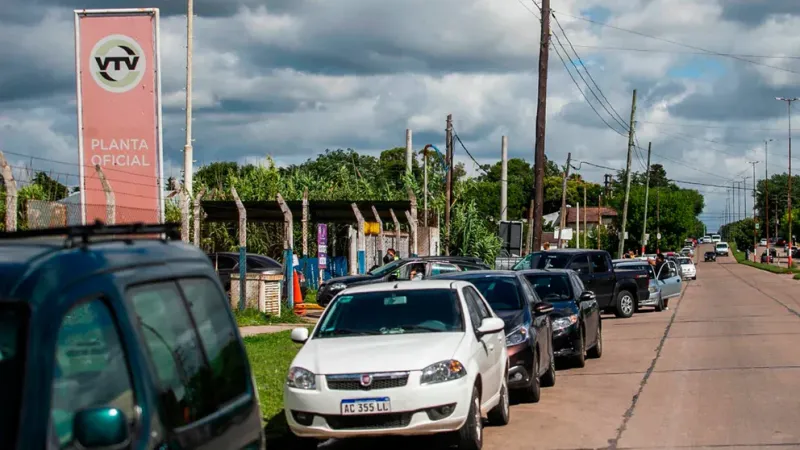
[(52, 189)]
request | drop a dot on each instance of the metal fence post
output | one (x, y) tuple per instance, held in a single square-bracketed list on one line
[(242, 249), (288, 244), (396, 230), (11, 194), (360, 240), (379, 245), (197, 212), (111, 201)]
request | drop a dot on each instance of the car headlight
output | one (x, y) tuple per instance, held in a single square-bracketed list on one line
[(564, 322), (301, 379), (443, 371), (337, 286), (517, 336)]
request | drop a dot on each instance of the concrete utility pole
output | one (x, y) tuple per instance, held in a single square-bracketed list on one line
[(425, 184), (627, 178), (504, 178), (599, 218), (646, 197), (766, 189), (541, 112), (449, 182), (563, 213), (789, 199), (188, 151), (585, 219), (755, 231), (658, 220), (409, 151)]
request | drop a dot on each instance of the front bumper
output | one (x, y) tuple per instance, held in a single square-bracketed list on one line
[(520, 363), (689, 275), (317, 413), (566, 342)]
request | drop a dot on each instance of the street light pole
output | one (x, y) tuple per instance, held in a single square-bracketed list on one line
[(755, 231), (766, 189), (789, 199), (187, 148)]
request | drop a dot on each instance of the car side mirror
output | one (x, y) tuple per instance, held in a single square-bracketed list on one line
[(97, 428), (299, 335), (491, 325), (587, 296), (542, 308)]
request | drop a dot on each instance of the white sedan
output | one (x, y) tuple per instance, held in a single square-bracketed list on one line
[(688, 269), (402, 358), (762, 243)]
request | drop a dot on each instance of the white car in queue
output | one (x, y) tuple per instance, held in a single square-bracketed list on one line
[(400, 358)]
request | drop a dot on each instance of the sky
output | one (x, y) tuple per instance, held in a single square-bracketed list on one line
[(291, 78)]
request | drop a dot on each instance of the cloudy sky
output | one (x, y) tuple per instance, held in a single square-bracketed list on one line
[(290, 78)]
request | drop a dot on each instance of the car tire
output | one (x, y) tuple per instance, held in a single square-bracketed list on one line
[(579, 360), (694, 278), (301, 443), (624, 305), (533, 392), (470, 436), (549, 377), (501, 414), (660, 304), (597, 351)]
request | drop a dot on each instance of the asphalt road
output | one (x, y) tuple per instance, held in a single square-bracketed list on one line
[(719, 369)]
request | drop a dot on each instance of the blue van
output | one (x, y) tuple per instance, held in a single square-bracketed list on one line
[(119, 337)]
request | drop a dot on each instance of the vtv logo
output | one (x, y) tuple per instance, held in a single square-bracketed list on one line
[(117, 63)]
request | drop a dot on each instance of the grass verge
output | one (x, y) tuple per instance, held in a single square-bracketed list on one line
[(252, 317), (741, 259), (270, 356)]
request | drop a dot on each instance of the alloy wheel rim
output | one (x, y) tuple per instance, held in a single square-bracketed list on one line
[(627, 304)]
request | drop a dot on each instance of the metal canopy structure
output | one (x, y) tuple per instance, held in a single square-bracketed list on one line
[(320, 211)]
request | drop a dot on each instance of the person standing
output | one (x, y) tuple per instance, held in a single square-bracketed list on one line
[(391, 255)]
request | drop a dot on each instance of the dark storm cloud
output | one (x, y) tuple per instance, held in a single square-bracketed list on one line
[(202, 8), (755, 12), (743, 96)]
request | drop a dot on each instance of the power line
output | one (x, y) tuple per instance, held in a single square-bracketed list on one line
[(655, 50), (681, 44), (468, 153)]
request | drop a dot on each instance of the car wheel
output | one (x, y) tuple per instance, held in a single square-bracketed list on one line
[(470, 436), (501, 414), (694, 278), (597, 351), (533, 392), (301, 443), (660, 304), (625, 305), (549, 377), (579, 360)]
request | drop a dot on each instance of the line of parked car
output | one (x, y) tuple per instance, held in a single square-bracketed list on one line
[(394, 356)]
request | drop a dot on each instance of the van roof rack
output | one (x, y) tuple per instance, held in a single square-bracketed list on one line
[(169, 231)]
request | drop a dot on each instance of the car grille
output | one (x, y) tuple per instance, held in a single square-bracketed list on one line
[(369, 422), (352, 382)]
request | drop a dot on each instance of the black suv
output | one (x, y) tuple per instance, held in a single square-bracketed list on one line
[(113, 338), (619, 293), (401, 269)]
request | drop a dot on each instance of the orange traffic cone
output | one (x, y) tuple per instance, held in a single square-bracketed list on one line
[(299, 306)]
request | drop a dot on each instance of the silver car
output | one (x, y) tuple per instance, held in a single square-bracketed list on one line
[(663, 285)]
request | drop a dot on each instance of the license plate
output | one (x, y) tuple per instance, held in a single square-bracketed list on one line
[(361, 406)]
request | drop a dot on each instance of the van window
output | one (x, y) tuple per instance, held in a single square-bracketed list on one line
[(187, 389), (218, 335)]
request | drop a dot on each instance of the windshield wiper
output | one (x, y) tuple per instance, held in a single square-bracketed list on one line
[(420, 328), (350, 332)]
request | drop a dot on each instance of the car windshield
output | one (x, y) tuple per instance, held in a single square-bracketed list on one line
[(385, 269), (502, 293), (551, 287), (13, 327), (722, 245), (543, 260), (392, 312), (685, 261)]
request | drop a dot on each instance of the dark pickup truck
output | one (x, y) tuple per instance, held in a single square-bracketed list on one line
[(617, 292)]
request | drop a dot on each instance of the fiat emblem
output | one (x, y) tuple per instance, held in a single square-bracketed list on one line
[(366, 380)]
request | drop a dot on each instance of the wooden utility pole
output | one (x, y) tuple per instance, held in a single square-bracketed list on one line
[(646, 198), (535, 225), (658, 220), (449, 182), (563, 212), (627, 178), (585, 219), (599, 218)]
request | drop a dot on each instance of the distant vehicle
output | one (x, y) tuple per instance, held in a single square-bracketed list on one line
[(690, 243), (227, 264), (762, 243), (688, 269), (780, 242), (577, 327), (401, 358), (530, 337), (400, 270), (715, 238), (617, 293), (768, 257), (710, 256), (687, 251), (705, 240), (139, 344), (722, 249)]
